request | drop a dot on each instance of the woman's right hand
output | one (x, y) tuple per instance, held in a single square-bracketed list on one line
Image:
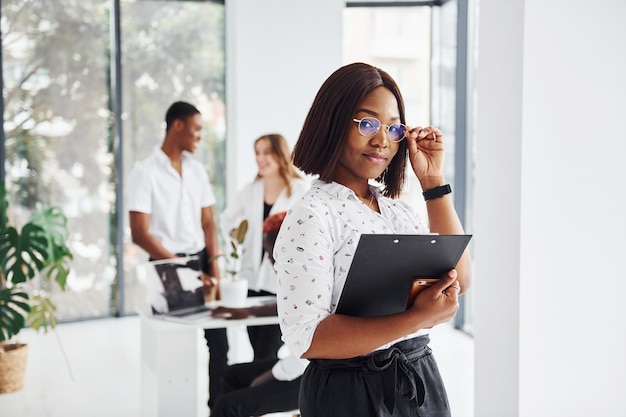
[(438, 302)]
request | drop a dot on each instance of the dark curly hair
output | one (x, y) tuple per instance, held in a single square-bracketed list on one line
[(179, 110)]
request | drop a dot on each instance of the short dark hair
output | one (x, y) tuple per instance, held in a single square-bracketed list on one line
[(326, 126), (179, 110)]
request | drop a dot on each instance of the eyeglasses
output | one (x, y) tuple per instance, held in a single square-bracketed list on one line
[(369, 126)]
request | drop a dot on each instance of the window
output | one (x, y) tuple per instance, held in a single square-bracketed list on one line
[(59, 119), (375, 35), (56, 122), (426, 61), (171, 50)]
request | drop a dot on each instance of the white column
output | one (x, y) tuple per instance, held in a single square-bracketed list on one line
[(550, 207)]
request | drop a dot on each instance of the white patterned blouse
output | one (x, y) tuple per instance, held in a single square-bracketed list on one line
[(314, 251)]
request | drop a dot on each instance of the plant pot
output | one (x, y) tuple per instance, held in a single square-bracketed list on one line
[(234, 292), (12, 366)]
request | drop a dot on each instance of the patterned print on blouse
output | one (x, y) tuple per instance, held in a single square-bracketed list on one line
[(314, 251)]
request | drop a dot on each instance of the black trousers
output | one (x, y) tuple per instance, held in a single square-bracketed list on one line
[(402, 381), (217, 342), (241, 400), (265, 340)]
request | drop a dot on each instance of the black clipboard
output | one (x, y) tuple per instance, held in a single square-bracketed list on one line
[(385, 265)]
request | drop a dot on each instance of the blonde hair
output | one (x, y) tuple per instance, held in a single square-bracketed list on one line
[(280, 149)]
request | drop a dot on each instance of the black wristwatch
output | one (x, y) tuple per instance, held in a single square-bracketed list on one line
[(437, 192)]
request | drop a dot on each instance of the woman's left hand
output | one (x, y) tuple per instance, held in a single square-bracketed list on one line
[(231, 313), (265, 377), (426, 152)]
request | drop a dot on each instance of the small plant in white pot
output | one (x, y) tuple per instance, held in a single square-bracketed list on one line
[(234, 290), (38, 250)]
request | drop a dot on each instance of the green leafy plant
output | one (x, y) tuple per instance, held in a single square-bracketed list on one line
[(38, 249), (233, 257)]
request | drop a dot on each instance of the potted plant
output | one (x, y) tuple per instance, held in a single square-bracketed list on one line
[(232, 289), (38, 250), (233, 259)]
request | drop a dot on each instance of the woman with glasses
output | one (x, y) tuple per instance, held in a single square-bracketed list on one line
[(356, 134), (277, 186)]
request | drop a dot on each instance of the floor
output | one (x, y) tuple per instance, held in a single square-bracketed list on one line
[(92, 368)]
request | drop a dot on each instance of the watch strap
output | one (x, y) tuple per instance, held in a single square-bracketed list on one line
[(437, 192)]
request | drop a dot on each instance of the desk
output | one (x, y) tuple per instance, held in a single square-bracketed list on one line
[(169, 362)]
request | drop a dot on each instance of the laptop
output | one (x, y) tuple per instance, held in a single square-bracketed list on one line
[(385, 265), (175, 287)]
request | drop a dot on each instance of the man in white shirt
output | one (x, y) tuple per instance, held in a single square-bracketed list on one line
[(170, 203)]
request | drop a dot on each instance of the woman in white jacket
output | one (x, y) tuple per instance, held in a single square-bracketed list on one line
[(277, 185)]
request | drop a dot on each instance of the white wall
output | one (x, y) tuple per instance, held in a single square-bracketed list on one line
[(550, 209), (279, 52)]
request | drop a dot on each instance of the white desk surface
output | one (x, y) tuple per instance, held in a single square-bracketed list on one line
[(205, 321)]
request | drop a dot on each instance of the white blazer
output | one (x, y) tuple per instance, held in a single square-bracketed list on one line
[(248, 204)]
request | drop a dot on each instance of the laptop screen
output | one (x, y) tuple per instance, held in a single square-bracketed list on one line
[(175, 285)]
